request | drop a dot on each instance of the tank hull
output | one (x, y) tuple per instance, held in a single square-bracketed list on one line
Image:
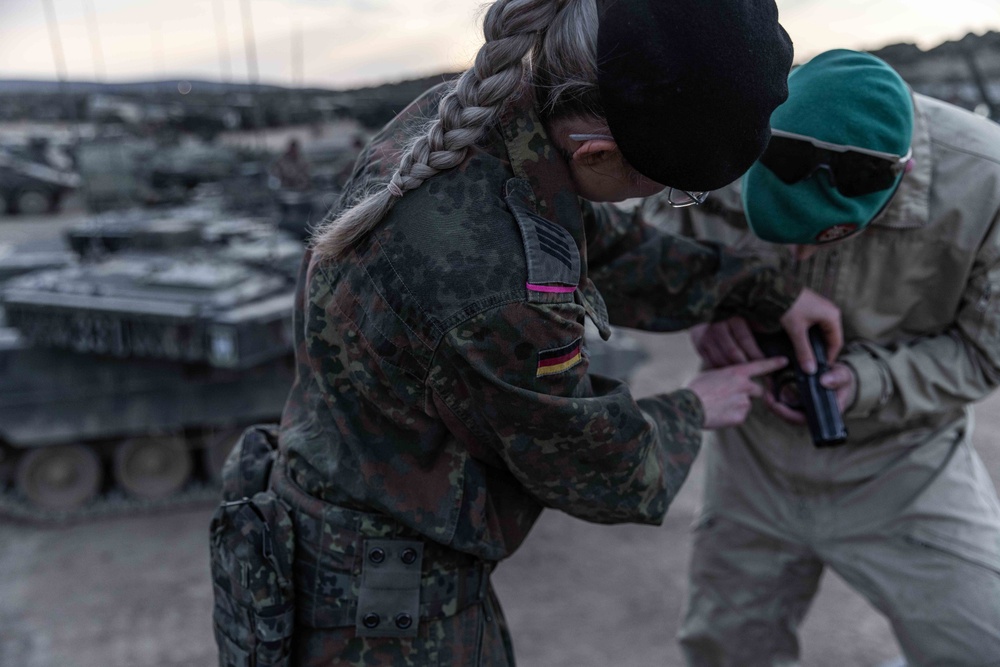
[(53, 399)]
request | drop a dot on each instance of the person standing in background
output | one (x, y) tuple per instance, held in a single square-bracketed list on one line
[(888, 203)]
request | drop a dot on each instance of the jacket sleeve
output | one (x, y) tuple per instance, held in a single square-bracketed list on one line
[(906, 380), (515, 379), (659, 281)]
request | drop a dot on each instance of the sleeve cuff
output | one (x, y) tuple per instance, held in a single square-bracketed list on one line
[(691, 405), (784, 291), (774, 294), (680, 421), (679, 417), (872, 384)]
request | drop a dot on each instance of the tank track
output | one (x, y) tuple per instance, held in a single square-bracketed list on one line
[(113, 504)]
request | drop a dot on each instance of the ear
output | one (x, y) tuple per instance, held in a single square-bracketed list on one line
[(594, 151)]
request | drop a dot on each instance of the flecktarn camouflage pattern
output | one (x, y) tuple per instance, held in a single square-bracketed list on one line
[(442, 389), (424, 388), (360, 588), (143, 356), (248, 467), (252, 548)]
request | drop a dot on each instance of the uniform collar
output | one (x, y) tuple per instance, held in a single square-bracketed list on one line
[(534, 158), (910, 207), (535, 161)]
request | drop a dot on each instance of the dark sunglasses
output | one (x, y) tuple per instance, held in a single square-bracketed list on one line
[(854, 171)]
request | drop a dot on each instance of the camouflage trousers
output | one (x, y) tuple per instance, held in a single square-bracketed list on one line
[(371, 592), (921, 541)]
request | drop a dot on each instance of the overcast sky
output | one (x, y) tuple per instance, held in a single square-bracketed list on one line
[(352, 42)]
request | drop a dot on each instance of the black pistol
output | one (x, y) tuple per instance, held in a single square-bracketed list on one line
[(796, 389)]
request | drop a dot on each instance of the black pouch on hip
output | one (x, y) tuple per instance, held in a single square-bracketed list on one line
[(252, 544), (247, 469)]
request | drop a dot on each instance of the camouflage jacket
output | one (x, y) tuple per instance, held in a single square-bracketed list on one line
[(442, 367), (919, 293)]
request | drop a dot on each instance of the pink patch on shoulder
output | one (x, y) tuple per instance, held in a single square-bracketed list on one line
[(558, 289)]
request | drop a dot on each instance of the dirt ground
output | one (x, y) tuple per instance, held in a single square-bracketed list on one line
[(136, 593)]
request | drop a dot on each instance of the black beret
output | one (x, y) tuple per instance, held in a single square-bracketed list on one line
[(688, 86)]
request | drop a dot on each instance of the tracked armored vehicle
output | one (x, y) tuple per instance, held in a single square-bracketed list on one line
[(30, 186), (125, 377), (127, 373)]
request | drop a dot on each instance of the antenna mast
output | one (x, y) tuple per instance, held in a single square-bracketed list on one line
[(222, 40), (95, 39)]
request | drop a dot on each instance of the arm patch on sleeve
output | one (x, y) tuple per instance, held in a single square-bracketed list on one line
[(559, 359), (551, 252)]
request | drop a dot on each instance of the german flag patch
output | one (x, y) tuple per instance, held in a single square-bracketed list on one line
[(559, 359)]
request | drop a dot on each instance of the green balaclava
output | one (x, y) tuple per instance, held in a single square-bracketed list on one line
[(840, 97)]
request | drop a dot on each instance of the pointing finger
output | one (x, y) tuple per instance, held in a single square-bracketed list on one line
[(763, 366)]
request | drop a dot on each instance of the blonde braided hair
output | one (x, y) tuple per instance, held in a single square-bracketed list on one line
[(515, 32)]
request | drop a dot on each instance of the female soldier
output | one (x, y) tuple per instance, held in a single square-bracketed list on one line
[(442, 395)]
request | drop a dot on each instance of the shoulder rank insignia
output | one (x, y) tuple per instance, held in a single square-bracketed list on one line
[(552, 256)]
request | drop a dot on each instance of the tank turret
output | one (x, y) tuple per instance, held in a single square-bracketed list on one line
[(131, 369), (127, 371), (196, 308)]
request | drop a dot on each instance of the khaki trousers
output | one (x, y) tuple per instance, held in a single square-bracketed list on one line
[(921, 541)]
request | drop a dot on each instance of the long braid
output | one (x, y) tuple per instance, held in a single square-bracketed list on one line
[(513, 28)]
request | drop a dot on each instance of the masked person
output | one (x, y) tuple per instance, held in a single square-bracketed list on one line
[(889, 204), (442, 397)]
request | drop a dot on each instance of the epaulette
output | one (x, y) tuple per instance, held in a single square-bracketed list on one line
[(552, 256)]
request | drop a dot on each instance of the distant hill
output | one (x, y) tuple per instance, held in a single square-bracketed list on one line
[(965, 72), (137, 88), (946, 61), (170, 86), (916, 64), (256, 106)]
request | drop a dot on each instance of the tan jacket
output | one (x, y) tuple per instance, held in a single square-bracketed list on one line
[(920, 296)]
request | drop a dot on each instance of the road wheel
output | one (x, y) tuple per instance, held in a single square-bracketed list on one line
[(218, 444), (33, 202), (152, 467), (59, 478)]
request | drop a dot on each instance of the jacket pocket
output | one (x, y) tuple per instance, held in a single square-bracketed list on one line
[(252, 551)]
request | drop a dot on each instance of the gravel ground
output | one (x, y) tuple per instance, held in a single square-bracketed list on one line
[(135, 592)]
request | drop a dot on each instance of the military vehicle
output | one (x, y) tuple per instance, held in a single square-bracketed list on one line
[(126, 376), (121, 171), (30, 186), (16, 261)]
